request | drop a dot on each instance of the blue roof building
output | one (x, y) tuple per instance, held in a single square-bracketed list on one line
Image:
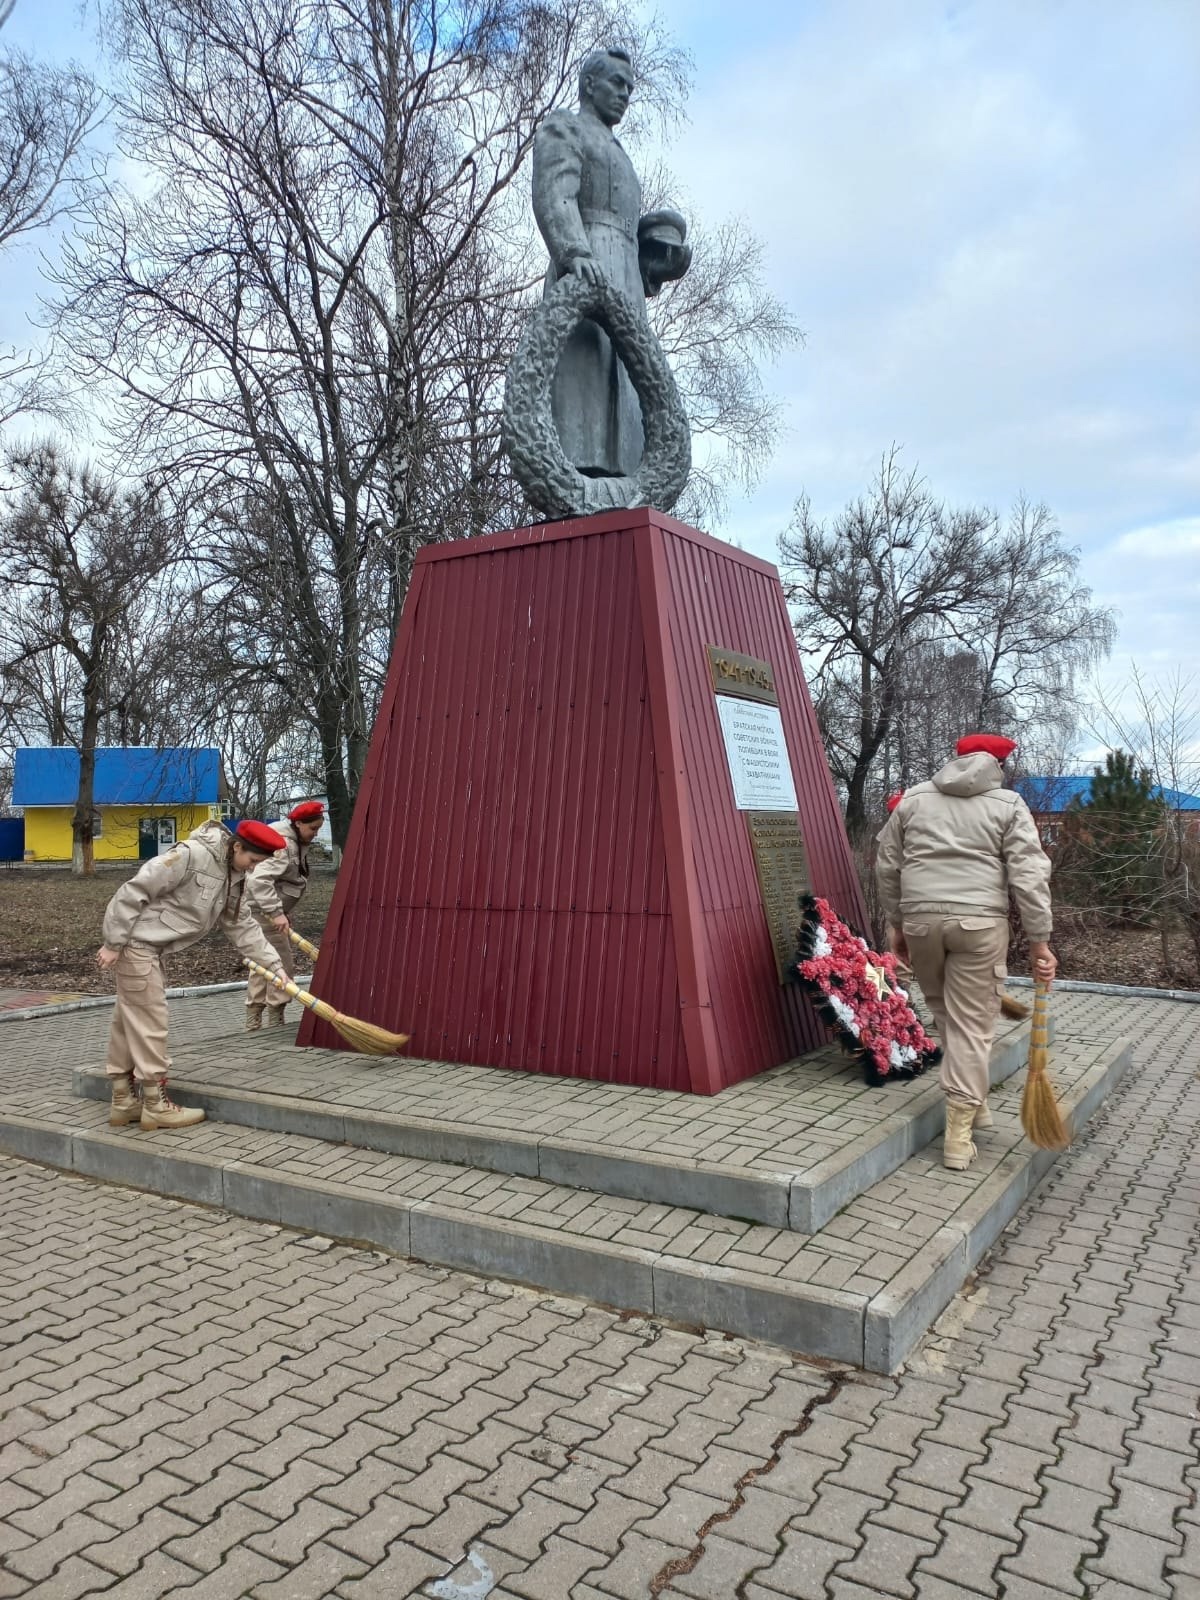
[(144, 798), (1049, 797)]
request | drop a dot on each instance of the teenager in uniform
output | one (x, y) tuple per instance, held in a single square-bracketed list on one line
[(169, 904), (275, 888), (952, 851)]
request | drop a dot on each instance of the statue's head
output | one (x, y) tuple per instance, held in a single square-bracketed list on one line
[(606, 83)]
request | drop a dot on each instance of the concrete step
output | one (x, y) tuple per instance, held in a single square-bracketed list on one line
[(789, 1148), (860, 1289)]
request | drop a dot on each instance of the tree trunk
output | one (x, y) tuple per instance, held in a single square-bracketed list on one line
[(83, 859), (328, 710), (856, 804), (341, 807), (1191, 921)]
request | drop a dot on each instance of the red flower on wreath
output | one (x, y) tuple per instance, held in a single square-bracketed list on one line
[(859, 995)]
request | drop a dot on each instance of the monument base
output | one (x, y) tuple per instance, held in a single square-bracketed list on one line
[(594, 790)]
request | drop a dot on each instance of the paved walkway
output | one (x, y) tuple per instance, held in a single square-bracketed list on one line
[(195, 1404), (20, 999), (788, 1119)]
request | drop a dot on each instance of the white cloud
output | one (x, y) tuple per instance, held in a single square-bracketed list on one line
[(987, 218), (1151, 575), (1169, 541)]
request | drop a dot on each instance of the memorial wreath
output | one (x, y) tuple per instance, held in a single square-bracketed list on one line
[(857, 993)]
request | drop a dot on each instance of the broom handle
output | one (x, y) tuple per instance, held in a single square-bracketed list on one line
[(1039, 1032), (302, 943), (286, 984)]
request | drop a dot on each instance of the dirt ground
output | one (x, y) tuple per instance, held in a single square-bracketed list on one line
[(50, 932), (1109, 955)]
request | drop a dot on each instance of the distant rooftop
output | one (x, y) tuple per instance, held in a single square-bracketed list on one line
[(126, 775), (1051, 795)]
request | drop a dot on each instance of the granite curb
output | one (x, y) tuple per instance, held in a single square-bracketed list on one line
[(802, 1202), (1119, 991), (876, 1331), (92, 1002)]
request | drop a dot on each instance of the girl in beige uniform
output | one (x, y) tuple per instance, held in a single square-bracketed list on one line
[(275, 888), (952, 852), (169, 904)]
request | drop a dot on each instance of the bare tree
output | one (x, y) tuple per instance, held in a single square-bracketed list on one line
[(1040, 628), (891, 567), (47, 115), (306, 313), (310, 317), (926, 621), (86, 555), (1157, 721), (937, 699)]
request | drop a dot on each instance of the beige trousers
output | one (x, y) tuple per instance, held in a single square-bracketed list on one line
[(960, 963), (137, 1041), (261, 991)]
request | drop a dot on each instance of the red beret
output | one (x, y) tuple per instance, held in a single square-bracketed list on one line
[(988, 744), (307, 811), (893, 800), (258, 837)]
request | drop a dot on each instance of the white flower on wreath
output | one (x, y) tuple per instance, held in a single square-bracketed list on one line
[(844, 1014), (821, 944)]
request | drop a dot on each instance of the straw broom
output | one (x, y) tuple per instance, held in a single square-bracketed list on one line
[(365, 1037), (302, 943), (1040, 1116), (309, 949)]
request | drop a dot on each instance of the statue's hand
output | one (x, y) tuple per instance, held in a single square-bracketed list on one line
[(664, 264), (586, 268)]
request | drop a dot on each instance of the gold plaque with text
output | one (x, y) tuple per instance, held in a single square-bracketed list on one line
[(747, 676), (782, 866)]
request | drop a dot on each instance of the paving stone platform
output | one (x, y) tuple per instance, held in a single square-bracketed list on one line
[(860, 1286), (788, 1148), (308, 1419)]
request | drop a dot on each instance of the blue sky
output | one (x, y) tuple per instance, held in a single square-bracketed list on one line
[(985, 216)]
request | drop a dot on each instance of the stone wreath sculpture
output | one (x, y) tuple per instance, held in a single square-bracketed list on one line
[(592, 415), (553, 483)]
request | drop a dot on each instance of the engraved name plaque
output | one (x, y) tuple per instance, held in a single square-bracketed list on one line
[(782, 866)]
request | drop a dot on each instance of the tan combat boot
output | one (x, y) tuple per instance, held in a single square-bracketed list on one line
[(275, 1016), (984, 1121), (160, 1111), (958, 1152), (253, 1018), (126, 1106)]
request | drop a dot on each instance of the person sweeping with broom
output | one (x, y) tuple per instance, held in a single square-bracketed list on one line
[(275, 888), (1008, 1006), (950, 854), (170, 903)]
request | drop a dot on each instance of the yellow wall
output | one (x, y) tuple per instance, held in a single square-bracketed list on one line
[(48, 829)]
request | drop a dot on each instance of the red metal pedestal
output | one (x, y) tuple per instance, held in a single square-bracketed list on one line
[(546, 870)]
